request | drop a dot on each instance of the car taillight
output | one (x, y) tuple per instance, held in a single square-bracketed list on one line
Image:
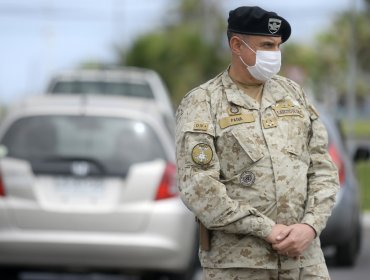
[(167, 187), (2, 187), (335, 156)]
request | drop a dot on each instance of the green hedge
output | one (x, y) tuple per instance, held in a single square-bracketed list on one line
[(360, 128), (363, 177)]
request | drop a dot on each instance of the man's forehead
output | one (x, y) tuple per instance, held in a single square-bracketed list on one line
[(261, 39)]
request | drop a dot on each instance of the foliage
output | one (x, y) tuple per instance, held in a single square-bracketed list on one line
[(362, 171), (94, 65), (360, 128), (303, 57), (348, 32), (186, 53), (3, 110), (326, 62), (179, 55), (191, 48)]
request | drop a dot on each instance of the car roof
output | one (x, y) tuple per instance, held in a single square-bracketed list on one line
[(104, 74), (87, 104)]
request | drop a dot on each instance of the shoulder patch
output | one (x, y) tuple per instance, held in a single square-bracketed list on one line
[(202, 154)]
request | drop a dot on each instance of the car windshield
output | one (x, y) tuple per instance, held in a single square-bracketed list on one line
[(109, 145), (132, 89)]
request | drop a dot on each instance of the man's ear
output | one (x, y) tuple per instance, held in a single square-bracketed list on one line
[(235, 45)]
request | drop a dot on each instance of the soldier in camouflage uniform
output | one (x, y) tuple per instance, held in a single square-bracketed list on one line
[(252, 161)]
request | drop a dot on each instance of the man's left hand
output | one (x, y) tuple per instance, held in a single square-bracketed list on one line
[(294, 240)]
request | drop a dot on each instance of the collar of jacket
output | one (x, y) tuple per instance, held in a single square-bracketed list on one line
[(272, 93)]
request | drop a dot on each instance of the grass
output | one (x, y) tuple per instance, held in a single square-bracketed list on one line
[(360, 129), (363, 177)]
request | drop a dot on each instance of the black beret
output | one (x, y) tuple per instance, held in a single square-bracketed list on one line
[(257, 21)]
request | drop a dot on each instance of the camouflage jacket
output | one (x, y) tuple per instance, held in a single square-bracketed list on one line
[(244, 166)]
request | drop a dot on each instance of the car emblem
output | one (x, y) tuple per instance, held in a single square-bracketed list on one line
[(80, 168)]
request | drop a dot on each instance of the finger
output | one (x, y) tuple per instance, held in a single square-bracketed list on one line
[(283, 234), (282, 249), (282, 246)]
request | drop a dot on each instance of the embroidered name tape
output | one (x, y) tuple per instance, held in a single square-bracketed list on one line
[(288, 112), (200, 126), (238, 119)]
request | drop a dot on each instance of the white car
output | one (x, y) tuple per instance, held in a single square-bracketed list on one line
[(89, 182), (124, 81)]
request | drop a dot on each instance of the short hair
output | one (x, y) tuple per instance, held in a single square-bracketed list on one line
[(230, 35)]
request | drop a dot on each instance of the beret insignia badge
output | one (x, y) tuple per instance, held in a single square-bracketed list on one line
[(202, 154), (274, 25), (247, 178)]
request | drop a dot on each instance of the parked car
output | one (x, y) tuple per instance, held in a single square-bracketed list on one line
[(344, 227), (124, 81), (89, 182)]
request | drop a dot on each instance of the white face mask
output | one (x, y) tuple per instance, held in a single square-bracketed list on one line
[(268, 64)]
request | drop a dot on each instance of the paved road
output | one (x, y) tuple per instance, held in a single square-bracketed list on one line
[(362, 269), (360, 272)]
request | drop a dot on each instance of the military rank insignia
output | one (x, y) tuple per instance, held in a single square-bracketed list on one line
[(247, 178), (202, 154), (269, 122)]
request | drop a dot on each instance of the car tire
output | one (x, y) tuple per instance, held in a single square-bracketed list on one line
[(151, 276), (347, 253), (188, 274), (9, 273)]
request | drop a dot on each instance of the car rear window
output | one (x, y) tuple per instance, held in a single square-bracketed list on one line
[(131, 89), (108, 145)]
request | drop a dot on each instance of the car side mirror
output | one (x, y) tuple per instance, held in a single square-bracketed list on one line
[(3, 151), (361, 153)]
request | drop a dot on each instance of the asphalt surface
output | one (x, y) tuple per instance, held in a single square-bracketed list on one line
[(361, 271)]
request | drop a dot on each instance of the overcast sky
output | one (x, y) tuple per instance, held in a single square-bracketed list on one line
[(41, 37)]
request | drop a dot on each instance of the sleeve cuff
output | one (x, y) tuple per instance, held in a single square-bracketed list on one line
[(262, 227), (310, 220)]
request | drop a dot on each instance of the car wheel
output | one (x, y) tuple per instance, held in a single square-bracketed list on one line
[(187, 275), (8, 273), (151, 276), (346, 254), (190, 272)]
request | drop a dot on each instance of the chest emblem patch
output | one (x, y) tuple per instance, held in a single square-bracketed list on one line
[(202, 154), (233, 110), (247, 178)]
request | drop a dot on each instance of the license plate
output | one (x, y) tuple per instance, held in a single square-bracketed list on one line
[(84, 190)]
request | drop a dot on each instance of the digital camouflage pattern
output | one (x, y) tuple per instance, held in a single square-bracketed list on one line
[(244, 166), (314, 272)]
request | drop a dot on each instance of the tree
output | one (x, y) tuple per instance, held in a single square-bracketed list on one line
[(183, 53), (335, 46), (326, 63)]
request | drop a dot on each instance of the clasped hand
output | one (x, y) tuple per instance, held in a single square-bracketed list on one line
[(291, 240)]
